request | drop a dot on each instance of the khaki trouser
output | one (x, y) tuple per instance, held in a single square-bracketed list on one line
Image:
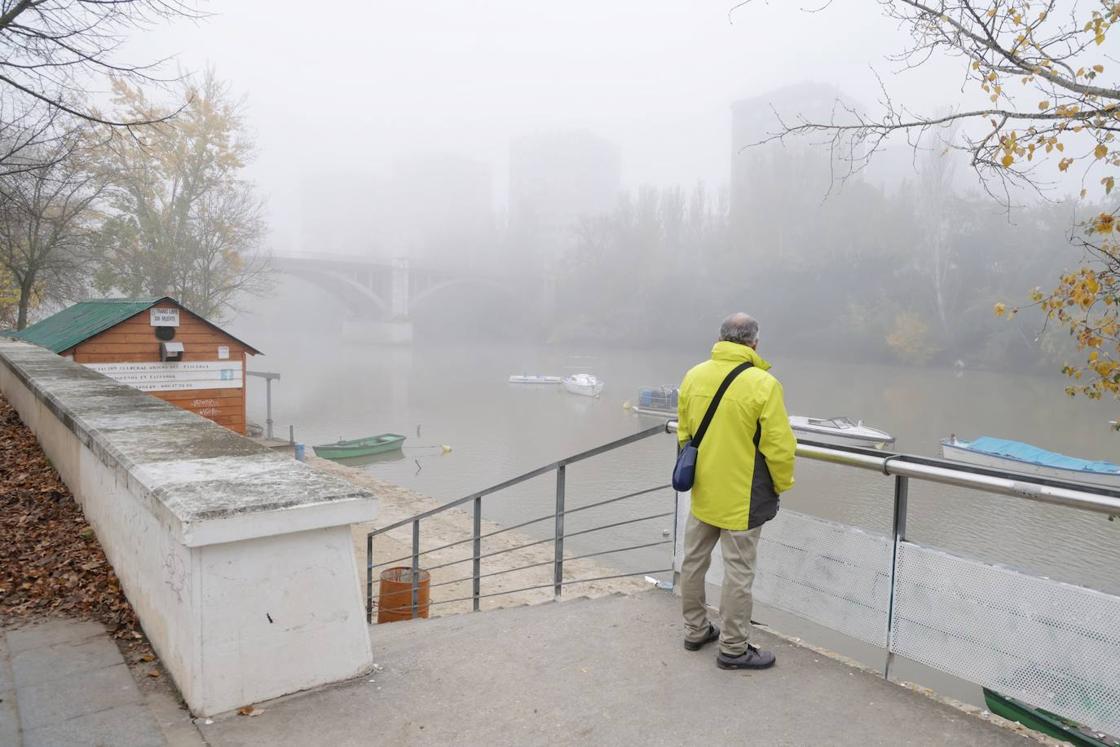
[(739, 550)]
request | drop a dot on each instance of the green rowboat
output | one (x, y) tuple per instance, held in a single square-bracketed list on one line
[(360, 447), (1046, 722)]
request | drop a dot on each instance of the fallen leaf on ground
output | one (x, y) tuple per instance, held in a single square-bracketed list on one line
[(249, 711), (51, 563)]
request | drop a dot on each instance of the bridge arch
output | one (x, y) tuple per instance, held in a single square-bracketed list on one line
[(357, 298)]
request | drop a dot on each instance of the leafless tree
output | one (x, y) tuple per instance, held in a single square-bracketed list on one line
[(1041, 69), (52, 52), (46, 224)]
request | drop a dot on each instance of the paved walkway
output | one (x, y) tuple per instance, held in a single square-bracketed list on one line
[(65, 683), (604, 671)]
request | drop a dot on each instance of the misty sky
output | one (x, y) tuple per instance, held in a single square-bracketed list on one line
[(352, 92)]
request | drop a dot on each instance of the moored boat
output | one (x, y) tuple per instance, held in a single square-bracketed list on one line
[(1016, 456), (840, 431), (360, 447), (1046, 722), (660, 401), (534, 379), (587, 385)]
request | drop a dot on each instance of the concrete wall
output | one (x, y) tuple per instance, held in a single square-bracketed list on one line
[(237, 560)]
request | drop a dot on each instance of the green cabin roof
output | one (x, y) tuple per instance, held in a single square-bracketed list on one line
[(83, 320)]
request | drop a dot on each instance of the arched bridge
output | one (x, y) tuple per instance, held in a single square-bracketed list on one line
[(379, 289)]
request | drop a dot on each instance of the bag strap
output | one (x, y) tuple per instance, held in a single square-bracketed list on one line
[(715, 402)]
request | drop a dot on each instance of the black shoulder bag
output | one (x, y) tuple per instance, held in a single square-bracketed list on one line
[(684, 473)]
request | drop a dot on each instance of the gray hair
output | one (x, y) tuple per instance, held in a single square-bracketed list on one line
[(740, 328)]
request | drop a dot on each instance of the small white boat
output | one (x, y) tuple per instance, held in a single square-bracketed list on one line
[(531, 379), (584, 384), (840, 431), (1016, 456)]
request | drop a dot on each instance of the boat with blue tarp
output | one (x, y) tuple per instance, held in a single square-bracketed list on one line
[(660, 401), (1016, 456)]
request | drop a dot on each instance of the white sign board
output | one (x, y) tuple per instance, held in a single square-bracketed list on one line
[(165, 317), (173, 376), (223, 352)]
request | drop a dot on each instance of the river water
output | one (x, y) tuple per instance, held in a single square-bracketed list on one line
[(457, 394)]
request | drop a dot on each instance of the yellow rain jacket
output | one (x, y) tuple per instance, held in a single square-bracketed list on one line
[(746, 458)]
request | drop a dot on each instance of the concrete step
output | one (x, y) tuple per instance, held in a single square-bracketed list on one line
[(608, 670)]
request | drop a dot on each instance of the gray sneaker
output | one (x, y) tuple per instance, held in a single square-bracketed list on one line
[(711, 635), (752, 658)]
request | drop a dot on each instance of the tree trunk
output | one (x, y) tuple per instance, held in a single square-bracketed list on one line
[(24, 300)]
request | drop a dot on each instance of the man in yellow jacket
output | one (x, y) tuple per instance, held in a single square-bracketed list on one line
[(744, 462)]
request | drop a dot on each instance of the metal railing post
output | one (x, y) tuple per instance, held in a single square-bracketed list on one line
[(676, 509), (477, 550), (268, 406), (558, 542), (369, 579), (901, 496), (415, 566)]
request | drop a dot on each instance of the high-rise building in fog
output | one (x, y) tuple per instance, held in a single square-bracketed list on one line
[(556, 178), (434, 209), (759, 172), (778, 188)]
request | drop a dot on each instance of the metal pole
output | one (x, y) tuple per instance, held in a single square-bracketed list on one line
[(558, 541), (477, 550), (901, 496), (676, 521), (292, 435), (415, 567), (369, 578), (268, 406)]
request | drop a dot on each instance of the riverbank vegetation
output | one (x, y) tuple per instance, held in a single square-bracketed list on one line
[(866, 274)]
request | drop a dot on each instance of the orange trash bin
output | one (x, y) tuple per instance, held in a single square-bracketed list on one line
[(394, 600)]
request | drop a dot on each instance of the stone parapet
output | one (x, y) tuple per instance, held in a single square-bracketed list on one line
[(237, 560)]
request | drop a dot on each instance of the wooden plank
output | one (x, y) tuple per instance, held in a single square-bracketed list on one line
[(190, 356)]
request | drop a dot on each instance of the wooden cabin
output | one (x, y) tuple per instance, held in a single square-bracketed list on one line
[(158, 346)]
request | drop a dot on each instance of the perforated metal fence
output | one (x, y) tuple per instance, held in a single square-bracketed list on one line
[(1048, 643)]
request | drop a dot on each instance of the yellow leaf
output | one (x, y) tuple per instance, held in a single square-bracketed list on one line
[(1098, 68), (1101, 150), (1000, 309), (1108, 182), (1007, 160), (1043, 105)]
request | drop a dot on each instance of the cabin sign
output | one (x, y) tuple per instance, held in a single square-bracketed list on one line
[(164, 317), (173, 376)]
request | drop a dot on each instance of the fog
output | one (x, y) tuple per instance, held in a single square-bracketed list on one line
[(347, 97), (553, 155)]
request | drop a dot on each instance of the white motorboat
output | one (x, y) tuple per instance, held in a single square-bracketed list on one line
[(840, 431), (587, 385), (1016, 456), (533, 379)]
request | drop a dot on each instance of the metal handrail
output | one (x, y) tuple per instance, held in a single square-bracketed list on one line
[(902, 467), (1032, 488), (609, 446), (560, 469)]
